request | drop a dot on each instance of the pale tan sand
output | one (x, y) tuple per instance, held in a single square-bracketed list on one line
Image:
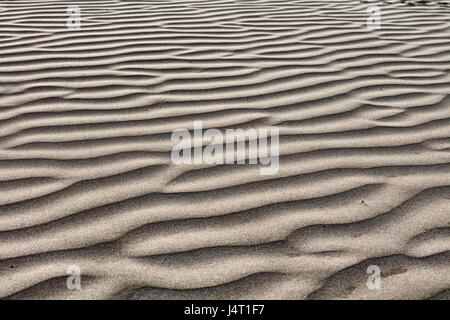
[(86, 177)]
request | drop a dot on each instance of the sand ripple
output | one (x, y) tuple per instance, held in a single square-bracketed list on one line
[(86, 176)]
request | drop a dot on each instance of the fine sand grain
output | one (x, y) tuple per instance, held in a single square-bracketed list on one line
[(87, 180)]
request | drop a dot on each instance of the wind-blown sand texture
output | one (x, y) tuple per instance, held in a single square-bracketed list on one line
[(86, 178)]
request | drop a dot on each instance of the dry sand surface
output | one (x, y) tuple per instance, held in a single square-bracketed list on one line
[(87, 179)]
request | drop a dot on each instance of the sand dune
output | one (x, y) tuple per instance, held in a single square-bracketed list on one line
[(86, 176)]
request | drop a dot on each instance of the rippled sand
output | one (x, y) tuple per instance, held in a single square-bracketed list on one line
[(86, 177)]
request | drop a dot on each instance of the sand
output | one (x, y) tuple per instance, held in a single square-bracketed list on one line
[(87, 180)]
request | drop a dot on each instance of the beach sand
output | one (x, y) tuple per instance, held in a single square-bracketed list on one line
[(87, 178)]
